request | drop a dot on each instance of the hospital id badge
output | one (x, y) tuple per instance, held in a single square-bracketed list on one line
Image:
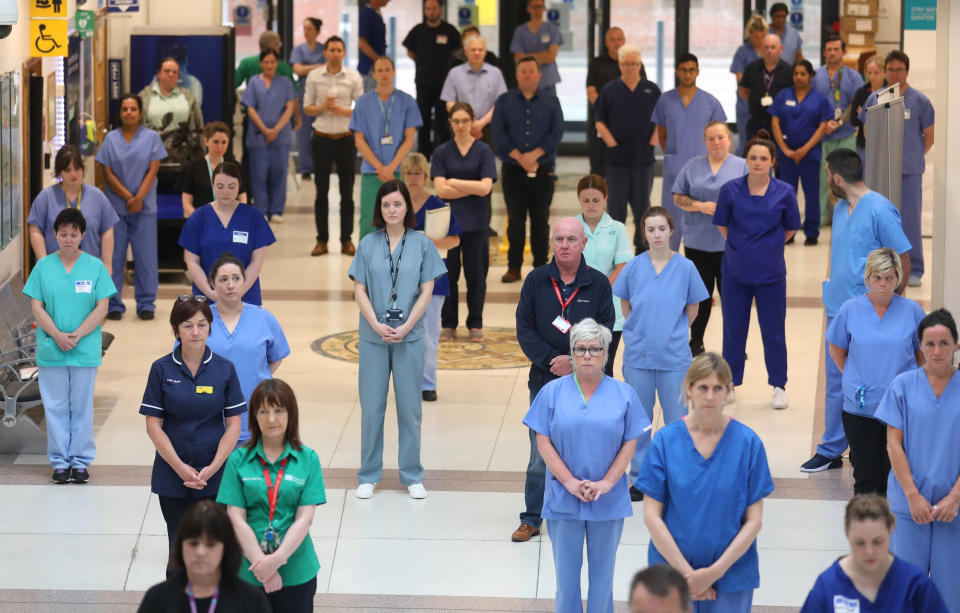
[(562, 324), (837, 114), (545, 37), (845, 605), (906, 113), (240, 237), (394, 316), (84, 287), (766, 100), (386, 140), (441, 39)]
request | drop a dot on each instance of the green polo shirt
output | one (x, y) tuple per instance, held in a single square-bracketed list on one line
[(243, 486), (250, 66)]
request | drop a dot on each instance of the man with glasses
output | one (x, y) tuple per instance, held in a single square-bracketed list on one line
[(554, 297), (681, 115), (542, 40)]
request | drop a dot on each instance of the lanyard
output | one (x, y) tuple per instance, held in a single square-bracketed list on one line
[(836, 88), (394, 272), (580, 389), (768, 80), (193, 600), (386, 113), (274, 491), (563, 304), (79, 196)]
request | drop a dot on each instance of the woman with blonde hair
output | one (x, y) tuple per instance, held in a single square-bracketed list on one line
[(749, 51)]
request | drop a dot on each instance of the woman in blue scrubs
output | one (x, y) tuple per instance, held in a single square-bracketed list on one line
[(800, 115), (305, 57), (587, 427), (130, 156), (69, 291), (922, 412), (608, 247), (659, 291), (871, 579), (749, 51), (872, 339), (226, 225), (271, 103), (393, 274), (247, 335), (695, 191), (757, 214), (705, 479)]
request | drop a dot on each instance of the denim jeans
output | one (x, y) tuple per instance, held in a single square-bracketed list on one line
[(536, 474)]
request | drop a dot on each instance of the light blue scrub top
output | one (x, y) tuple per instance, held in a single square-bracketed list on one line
[(371, 121), (525, 41), (96, 209), (839, 92), (588, 437), (744, 55), (130, 162), (301, 54), (705, 500), (656, 334), (696, 179), (256, 341), (791, 42), (69, 299), (875, 223), (269, 104), (917, 117), (419, 262), (607, 247), (931, 427), (685, 126), (877, 349)]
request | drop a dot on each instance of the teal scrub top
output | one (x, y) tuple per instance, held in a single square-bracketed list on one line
[(607, 247), (69, 299)]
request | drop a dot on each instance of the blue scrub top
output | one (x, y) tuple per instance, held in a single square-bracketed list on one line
[(257, 340), (269, 103), (917, 117), (419, 262), (97, 213), (479, 163), (877, 349), (301, 54), (441, 286), (203, 234), (656, 334), (791, 42), (627, 114), (588, 437), (930, 427), (905, 589), (800, 119), (839, 91), (696, 179), (371, 121), (756, 229), (607, 247), (193, 409), (685, 126), (130, 162), (374, 30), (525, 41), (705, 500), (744, 55), (874, 223)]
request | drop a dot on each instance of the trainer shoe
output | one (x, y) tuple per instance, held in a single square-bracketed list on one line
[(635, 494), (524, 533), (429, 395), (61, 476), (417, 491), (779, 398), (914, 281), (365, 490), (820, 462), (80, 475)]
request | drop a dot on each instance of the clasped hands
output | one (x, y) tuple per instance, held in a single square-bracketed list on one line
[(193, 479), (265, 570), (391, 335), (66, 340), (587, 490)]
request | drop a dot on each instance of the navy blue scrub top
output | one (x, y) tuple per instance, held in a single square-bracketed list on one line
[(628, 115), (203, 234), (479, 163), (800, 119), (441, 285), (193, 410)]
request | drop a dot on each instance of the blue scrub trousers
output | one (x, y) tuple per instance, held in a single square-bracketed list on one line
[(931, 548), (771, 314), (726, 602), (139, 231), (603, 538), (536, 473), (834, 440), (911, 198), (668, 385), (305, 142), (431, 341), (377, 362), (633, 185), (268, 177), (666, 199), (67, 393), (806, 172)]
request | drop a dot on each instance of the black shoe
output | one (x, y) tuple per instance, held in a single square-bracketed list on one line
[(696, 348), (115, 315), (810, 240), (145, 315), (306, 176), (792, 240), (820, 462), (80, 475), (635, 494), (429, 395), (61, 476)]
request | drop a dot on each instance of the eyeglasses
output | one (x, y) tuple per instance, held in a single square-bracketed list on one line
[(582, 351), (189, 297)]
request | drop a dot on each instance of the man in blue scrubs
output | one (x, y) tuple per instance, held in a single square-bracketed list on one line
[(372, 40), (542, 40), (792, 43), (862, 221), (681, 115)]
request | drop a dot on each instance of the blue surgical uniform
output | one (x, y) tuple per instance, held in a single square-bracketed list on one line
[(873, 223), (204, 235), (791, 42), (130, 162), (526, 42), (905, 589), (754, 267), (301, 54), (97, 213), (587, 435), (840, 91), (256, 341), (656, 335), (799, 121), (269, 161), (930, 427), (374, 31), (607, 247), (376, 119), (415, 261), (745, 54), (696, 180), (918, 115), (685, 126)]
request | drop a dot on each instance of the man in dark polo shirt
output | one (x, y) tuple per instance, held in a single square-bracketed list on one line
[(762, 81)]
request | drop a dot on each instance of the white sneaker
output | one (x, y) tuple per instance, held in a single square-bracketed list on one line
[(779, 398), (276, 219), (731, 397), (417, 491), (914, 281), (365, 490)]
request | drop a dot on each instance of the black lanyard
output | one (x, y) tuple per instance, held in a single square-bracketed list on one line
[(394, 272)]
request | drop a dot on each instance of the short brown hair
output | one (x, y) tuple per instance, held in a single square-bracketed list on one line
[(461, 106), (275, 393), (185, 309), (393, 185), (529, 58), (592, 182), (868, 506), (69, 155), (897, 56), (215, 127)]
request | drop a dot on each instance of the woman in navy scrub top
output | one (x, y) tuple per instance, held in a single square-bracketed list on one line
[(226, 225), (757, 215)]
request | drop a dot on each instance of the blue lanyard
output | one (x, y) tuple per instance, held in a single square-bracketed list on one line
[(386, 112), (193, 600)]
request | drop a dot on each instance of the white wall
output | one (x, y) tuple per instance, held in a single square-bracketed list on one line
[(946, 151)]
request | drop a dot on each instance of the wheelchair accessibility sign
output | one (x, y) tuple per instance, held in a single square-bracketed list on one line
[(48, 37)]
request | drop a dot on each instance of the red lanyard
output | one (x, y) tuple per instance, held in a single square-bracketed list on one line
[(273, 491), (563, 304)]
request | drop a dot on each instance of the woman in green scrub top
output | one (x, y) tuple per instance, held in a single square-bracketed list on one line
[(271, 486)]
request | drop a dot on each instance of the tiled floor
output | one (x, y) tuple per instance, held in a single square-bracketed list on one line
[(96, 547)]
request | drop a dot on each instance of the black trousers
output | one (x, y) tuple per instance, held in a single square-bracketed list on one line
[(598, 150), (294, 598), (522, 195), (868, 453), (709, 264), (326, 153), (474, 253), (435, 129), (612, 351), (173, 510)]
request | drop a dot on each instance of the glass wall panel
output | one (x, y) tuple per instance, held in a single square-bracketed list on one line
[(649, 24), (716, 32)]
